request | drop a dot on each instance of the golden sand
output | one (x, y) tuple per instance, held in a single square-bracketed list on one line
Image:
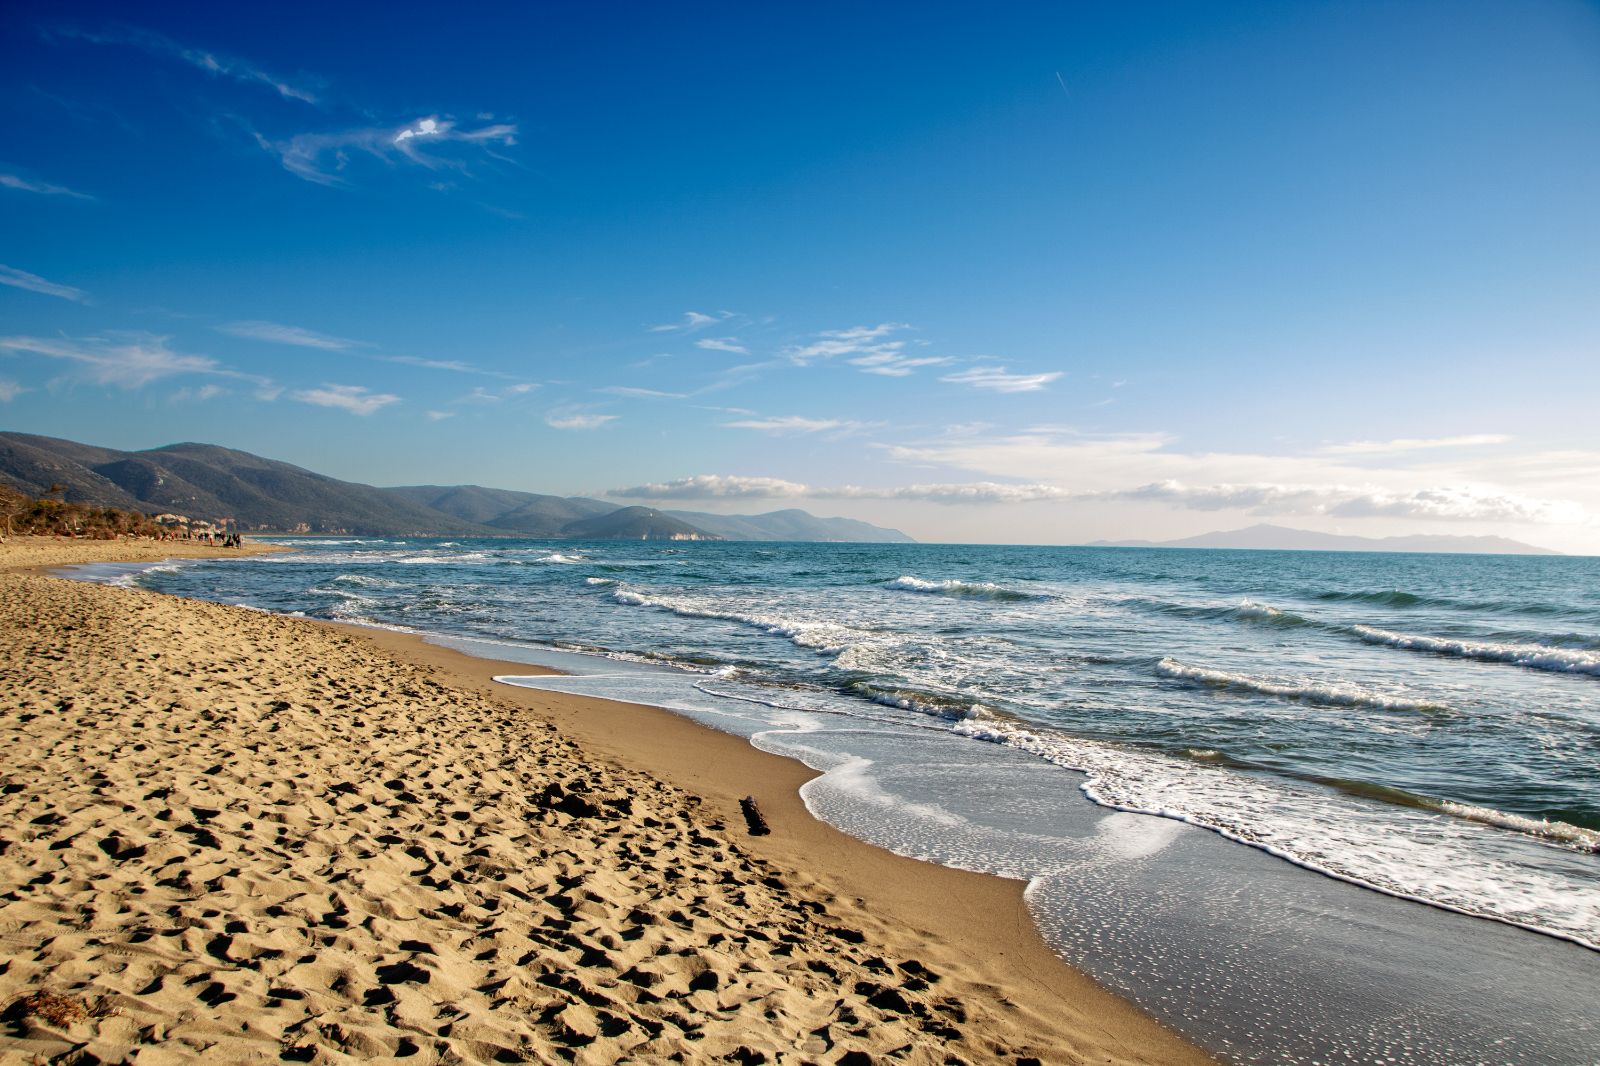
[(228, 836)]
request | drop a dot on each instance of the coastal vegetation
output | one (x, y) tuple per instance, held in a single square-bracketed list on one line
[(21, 514)]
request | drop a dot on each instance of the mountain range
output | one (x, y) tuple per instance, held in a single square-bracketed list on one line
[(209, 482), (1267, 537)]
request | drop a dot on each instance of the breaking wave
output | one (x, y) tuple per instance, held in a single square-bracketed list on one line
[(1326, 693), (1532, 656), (963, 590)]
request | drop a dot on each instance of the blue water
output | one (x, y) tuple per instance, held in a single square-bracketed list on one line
[(1426, 726)]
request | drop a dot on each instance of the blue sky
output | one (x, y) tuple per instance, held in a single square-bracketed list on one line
[(1045, 273)]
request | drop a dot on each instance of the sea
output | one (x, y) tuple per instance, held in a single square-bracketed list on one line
[(1305, 807)]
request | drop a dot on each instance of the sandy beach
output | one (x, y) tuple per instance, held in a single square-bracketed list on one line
[(234, 836)]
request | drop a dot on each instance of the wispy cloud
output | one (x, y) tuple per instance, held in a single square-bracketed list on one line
[(1414, 444), (730, 376), (42, 188), (277, 333), (568, 419), (439, 416), (1000, 379), (481, 395), (641, 394), (855, 341), (427, 142), (896, 366), (722, 344), (10, 390), (188, 394), (872, 349), (128, 361), (357, 399), (793, 425), (302, 88), (21, 279), (692, 320), (453, 365)]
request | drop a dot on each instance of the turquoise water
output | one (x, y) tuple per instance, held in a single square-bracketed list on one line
[(1423, 726)]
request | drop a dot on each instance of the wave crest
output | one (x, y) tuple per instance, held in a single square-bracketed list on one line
[(963, 590), (1326, 693), (1532, 656)]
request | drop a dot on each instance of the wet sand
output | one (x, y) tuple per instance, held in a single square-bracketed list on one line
[(238, 836)]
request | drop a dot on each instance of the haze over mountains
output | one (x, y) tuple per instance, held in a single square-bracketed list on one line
[(211, 482), (1281, 538)]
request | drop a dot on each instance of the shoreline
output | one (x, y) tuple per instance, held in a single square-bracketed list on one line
[(951, 921), (972, 915)]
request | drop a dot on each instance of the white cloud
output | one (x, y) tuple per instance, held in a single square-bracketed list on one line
[(211, 62), (1452, 504), (723, 344), (1413, 444), (10, 390), (1000, 379), (641, 394), (856, 341), (439, 416), (357, 399), (21, 279), (715, 487), (576, 420), (128, 361), (894, 366), (41, 188), (522, 388), (972, 492), (322, 157), (692, 320), (433, 364), (1459, 504), (276, 333), (787, 425)]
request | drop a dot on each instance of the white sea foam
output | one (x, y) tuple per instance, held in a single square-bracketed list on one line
[(966, 590), (826, 637), (1330, 693), (1533, 656), (367, 581), (558, 557), (1574, 836), (443, 560), (1431, 856)]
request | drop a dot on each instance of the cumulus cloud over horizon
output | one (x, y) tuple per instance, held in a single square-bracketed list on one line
[(1453, 504), (1448, 503), (725, 486)]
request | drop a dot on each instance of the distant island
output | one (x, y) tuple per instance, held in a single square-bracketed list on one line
[(1266, 537), (246, 492)]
